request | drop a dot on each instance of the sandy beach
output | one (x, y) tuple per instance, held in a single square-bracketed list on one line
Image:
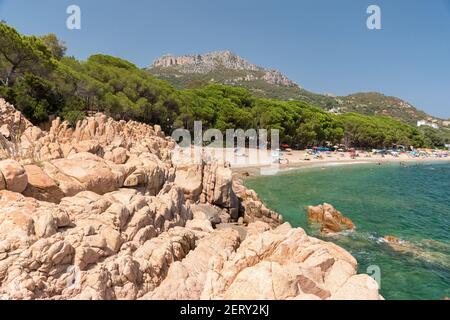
[(301, 159)]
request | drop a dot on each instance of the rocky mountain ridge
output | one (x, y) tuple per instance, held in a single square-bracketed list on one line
[(217, 62)]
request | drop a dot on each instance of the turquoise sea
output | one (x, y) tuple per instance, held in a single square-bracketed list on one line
[(411, 203)]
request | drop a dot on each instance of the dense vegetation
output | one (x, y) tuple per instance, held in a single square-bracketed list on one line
[(374, 103), (37, 77)]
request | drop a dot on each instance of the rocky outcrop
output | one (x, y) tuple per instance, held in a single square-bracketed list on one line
[(103, 211), (276, 77), (187, 278), (330, 219), (252, 208), (12, 126), (220, 61), (205, 63), (40, 186), (43, 243), (284, 263), (428, 251), (12, 176)]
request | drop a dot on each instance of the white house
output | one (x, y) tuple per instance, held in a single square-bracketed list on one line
[(421, 123)]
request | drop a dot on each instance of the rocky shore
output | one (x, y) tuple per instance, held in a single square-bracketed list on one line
[(331, 220), (102, 211)]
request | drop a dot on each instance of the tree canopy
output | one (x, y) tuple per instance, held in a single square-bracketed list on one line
[(21, 54)]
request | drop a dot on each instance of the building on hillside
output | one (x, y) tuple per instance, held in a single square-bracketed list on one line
[(448, 146), (421, 123), (335, 110)]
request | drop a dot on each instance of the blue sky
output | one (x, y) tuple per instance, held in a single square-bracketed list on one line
[(323, 45)]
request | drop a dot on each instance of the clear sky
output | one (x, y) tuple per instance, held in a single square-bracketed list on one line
[(323, 45)]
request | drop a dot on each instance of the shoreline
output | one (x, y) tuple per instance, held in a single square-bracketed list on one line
[(254, 170)]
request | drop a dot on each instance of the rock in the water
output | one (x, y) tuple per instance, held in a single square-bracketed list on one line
[(331, 220)]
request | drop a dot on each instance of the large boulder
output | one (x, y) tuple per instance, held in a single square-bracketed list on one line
[(14, 175), (82, 171), (251, 208), (207, 212), (190, 180), (285, 263), (186, 278), (117, 155), (331, 220), (358, 287), (41, 186)]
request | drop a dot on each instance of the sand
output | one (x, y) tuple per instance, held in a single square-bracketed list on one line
[(298, 159)]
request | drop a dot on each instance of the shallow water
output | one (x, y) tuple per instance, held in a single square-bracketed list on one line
[(411, 203)]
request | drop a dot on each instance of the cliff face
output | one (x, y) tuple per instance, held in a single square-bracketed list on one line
[(102, 211), (206, 63), (222, 66)]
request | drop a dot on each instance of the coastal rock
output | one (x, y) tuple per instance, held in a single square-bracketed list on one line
[(12, 125), (251, 208), (118, 155), (14, 176), (41, 186), (186, 279), (331, 220), (82, 173), (428, 251), (358, 287), (392, 239), (189, 179), (207, 212), (284, 263), (107, 213)]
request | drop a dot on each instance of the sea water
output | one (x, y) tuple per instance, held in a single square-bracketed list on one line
[(410, 202)]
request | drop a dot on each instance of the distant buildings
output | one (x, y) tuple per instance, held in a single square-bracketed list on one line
[(335, 110), (427, 123), (448, 146)]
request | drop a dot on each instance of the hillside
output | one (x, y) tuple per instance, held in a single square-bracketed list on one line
[(225, 67), (192, 71), (374, 103)]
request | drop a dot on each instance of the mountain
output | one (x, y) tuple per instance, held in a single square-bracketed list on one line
[(222, 67), (193, 71)]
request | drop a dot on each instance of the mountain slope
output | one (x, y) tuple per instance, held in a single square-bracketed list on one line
[(193, 71), (374, 103), (222, 67)]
